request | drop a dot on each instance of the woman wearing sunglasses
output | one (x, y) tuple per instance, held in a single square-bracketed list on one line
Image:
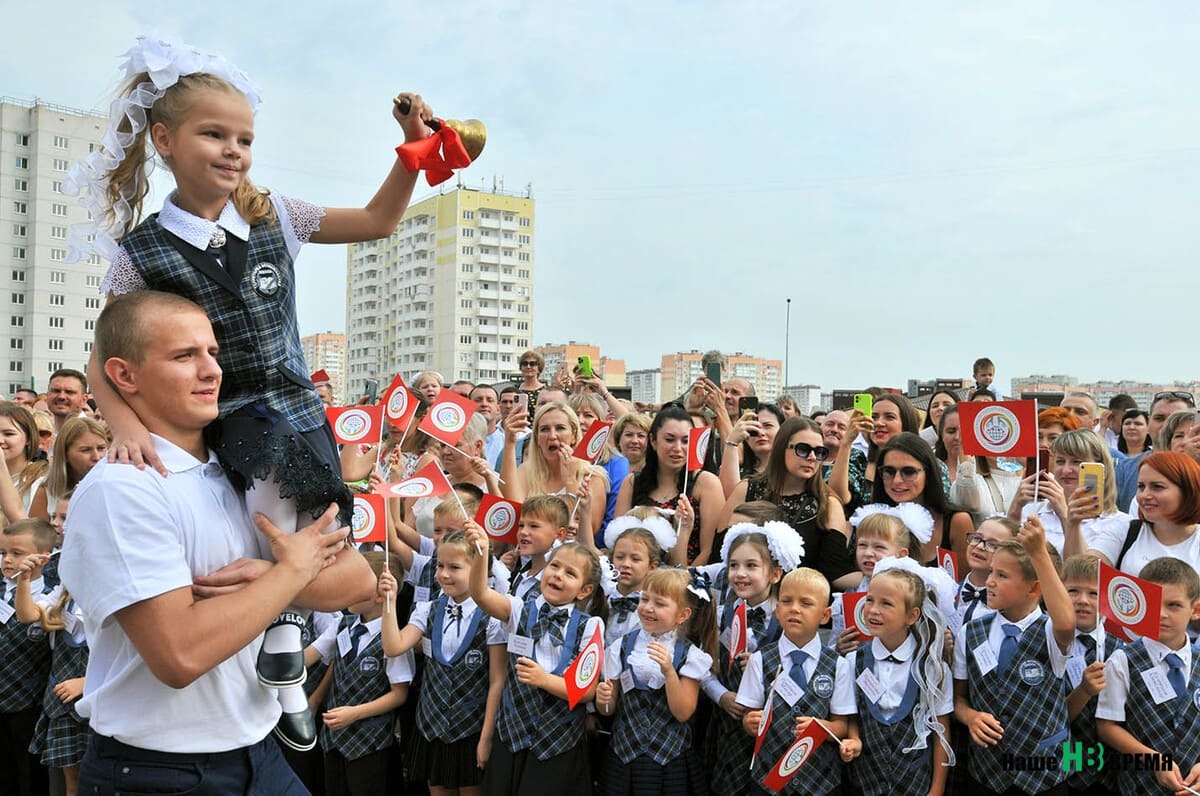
[(531, 363), (792, 480), (906, 472)]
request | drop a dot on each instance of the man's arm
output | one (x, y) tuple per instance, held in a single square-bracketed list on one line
[(182, 638), (347, 580)]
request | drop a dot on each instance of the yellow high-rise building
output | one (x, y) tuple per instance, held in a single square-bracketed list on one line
[(450, 290)]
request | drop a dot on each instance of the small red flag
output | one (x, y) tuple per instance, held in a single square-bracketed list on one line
[(498, 518), (764, 724), (737, 633), (448, 416), (853, 606), (1131, 605), (949, 562), (399, 404), (369, 521), (429, 481), (592, 444), (698, 439), (797, 754), (999, 428), (584, 671), (352, 424)]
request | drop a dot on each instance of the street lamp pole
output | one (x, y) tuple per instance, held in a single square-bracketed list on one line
[(787, 341)]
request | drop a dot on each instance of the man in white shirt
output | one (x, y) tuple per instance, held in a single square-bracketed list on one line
[(171, 689)]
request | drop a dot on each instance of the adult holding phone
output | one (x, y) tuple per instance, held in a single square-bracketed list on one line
[(750, 441)]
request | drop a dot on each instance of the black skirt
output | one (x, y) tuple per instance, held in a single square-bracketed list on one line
[(643, 777), (443, 765), (512, 773)]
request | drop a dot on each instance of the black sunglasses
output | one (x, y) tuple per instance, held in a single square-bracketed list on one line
[(1175, 396), (889, 473), (529, 363), (803, 450)]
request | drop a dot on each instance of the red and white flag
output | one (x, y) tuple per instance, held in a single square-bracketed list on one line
[(499, 518), (698, 439), (853, 605), (399, 403), (584, 671), (737, 633), (353, 424), (999, 428), (369, 521), (797, 754), (764, 724), (1131, 605), (429, 481), (592, 444), (949, 562), (448, 416)]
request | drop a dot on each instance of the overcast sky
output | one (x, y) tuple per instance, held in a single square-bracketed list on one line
[(928, 182)]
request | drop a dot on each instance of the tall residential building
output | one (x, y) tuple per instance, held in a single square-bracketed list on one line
[(50, 306), (806, 396), (327, 351), (1103, 391), (611, 370), (450, 290), (681, 369), (645, 385)]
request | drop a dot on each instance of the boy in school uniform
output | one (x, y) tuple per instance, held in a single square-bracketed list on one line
[(24, 660), (1009, 667), (1151, 703), (1085, 669), (366, 688)]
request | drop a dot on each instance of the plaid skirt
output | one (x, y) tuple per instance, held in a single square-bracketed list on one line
[(61, 741)]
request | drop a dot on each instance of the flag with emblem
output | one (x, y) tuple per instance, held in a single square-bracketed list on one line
[(764, 723), (369, 521), (499, 517), (698, 439), (592, 444), (584, 671), (429, 481), (1131, 605), (853, 606), (737, 632), (999, 428), (399, 403), (354, 424), (448, 417), (797, 754), (949, 562)]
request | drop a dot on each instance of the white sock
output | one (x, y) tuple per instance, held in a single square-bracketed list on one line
[(292, 699), (282, 638)]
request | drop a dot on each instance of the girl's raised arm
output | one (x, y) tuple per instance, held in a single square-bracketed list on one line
[(491, 601)]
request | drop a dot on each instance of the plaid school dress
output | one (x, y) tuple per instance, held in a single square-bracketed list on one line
[(1171, 728), (454, 691), (644, 724), (1028, 700), (531, 718), (61, 736), (822, 773), (359, 678), (24, 663), (884, 767), (1083, 728)]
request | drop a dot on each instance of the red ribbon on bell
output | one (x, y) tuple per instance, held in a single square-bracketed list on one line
[(438, 155)]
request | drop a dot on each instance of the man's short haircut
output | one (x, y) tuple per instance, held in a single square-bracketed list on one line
[(982, 363), (69, 373), (1088, 396), (464, 381), (41, 531), (29, 390), (120, 331), (1120, 402), (508, 390), (485, 387), (1171, 571)]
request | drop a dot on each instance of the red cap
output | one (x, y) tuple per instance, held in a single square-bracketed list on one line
[(319, 378)]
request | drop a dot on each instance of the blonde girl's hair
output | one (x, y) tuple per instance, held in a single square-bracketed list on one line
[(887, 527), (701, 626), (457, 539), (538, 473), (34, 469), (59, 478), (130, 180)]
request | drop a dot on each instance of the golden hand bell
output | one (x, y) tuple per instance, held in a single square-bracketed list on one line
[(472, 131)]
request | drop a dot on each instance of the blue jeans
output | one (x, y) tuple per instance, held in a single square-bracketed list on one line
[(111, 767)]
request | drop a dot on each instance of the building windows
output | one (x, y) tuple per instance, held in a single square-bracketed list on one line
[(53, 366), (465, 339), (61, 164), (57, 321), (58, 209), (58, 233), (60, 142), (58, 300), (56, 186), (21, 185), (17, 298), (58, 255), (16, 343), (19, 230), (87, 346), (93, 280), (522, 273), (91, 303), (465, 304), (524, 221), (468, 249), (18, 276), (21, 208), (55, 344), (89, 325), (524, 257), (18, 252), (16, 320), (22, 139), (523, 239), (22, 162), (523, 326), (58, 277), (466, 321), (467, 268), (523, 308), (468, 214), (468, 233), (15, 366)]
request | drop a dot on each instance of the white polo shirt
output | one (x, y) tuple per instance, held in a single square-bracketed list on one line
[(133, 535)]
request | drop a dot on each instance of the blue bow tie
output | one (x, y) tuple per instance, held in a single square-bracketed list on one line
[(971, 593), (553, 621), (624, 606)]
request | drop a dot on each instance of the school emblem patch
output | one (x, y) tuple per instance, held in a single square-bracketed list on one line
[(266, 279), (368, 665), (1032, 673), (35, 632), (822, 686), (473, 659)]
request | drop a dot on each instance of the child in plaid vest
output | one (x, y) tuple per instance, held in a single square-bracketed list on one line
[(897, 688), (797, 674), (366, 688), (637, 547), (1085, 670), (25, 664), (657, 670), (541, 748), (756, 558), (464, 673), (1009, 670), (230, 247), (1151, 701), (61, 736)]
